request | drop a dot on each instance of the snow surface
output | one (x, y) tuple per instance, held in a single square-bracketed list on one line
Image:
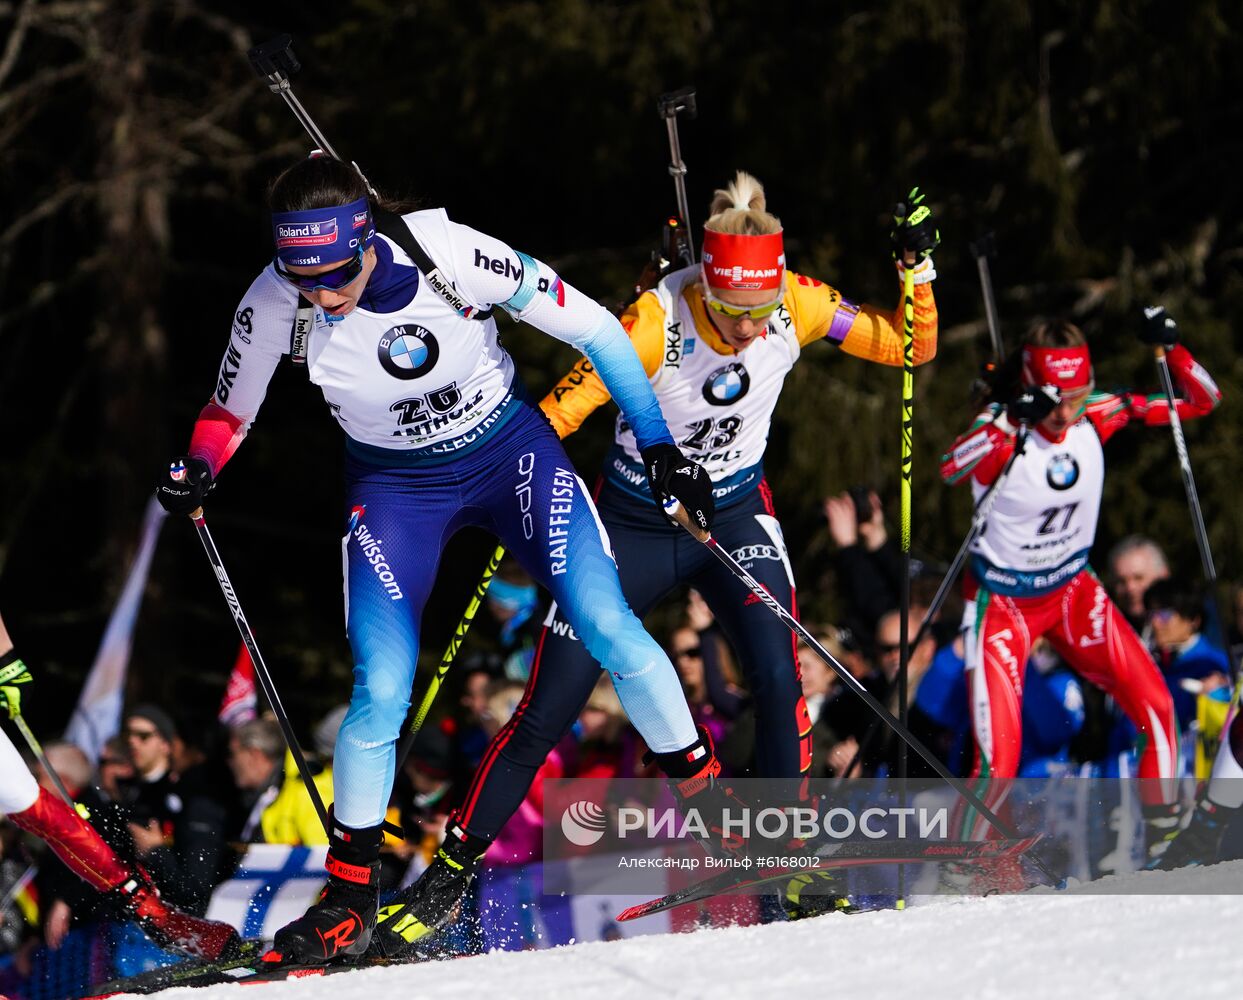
[(1077, 943)]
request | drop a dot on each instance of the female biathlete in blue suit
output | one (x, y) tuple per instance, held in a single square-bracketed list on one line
[(439, 434)]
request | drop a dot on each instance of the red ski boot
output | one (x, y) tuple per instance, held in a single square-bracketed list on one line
[(172, 929)]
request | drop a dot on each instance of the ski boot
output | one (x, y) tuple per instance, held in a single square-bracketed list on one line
[(1197, 843), (1161, 826), (813, 894), (694, 776), (433, 900), (340, 922), (169, 927)]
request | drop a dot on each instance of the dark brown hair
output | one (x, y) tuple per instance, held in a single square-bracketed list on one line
[(1057, 332), (321, 181)]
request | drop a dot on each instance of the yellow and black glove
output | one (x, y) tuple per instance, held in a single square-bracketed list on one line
[(13, 674)]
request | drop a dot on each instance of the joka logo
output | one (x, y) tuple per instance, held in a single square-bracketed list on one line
[(408, 351), (1063, 471), (727, 385), (583, 823)]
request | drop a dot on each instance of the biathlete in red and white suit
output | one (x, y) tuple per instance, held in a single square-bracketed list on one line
[(1029, 574)]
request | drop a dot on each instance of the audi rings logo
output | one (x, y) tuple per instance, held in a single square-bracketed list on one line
[(727, 385), (408, 351), (749, 553), (583, 823)]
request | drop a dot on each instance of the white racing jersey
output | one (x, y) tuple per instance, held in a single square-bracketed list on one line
[(1043, 522), (422, 377)]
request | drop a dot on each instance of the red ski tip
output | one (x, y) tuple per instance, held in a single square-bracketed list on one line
[(630, 912), (272, 957)]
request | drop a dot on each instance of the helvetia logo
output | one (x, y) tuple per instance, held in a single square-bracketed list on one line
[(727, 385), (583, 823), (408, 352)]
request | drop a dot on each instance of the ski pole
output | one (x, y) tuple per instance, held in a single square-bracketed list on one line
[(978, 521), (275, 63), (1193, 502), (450, 654), (37, 749), (669, 106), (261, 672), (675, 510), (983, 249), (904, 590)]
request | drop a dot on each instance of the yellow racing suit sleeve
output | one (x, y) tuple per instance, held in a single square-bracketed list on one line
[(819, 310), (581, 389)]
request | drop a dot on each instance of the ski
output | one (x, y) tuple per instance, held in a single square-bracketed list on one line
[(182, 973), (251, 969), (847, 854)]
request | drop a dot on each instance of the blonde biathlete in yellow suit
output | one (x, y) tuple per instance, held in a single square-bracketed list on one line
[(717, 377)]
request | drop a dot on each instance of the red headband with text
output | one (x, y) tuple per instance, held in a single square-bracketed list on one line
[(1068, 368), (743, 262)]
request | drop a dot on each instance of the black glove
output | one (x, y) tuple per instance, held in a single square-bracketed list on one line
[(182, 488), (672, 474), (1158, 328), (1033, 403), (913, 232)]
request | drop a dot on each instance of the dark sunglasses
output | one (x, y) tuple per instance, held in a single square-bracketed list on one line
[(885, 648), (142, 735), (693, 651), (333, 280)]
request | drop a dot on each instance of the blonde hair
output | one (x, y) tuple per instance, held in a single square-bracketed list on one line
[(739, 209)]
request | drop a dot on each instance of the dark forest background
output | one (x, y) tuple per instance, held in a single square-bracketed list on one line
[(1100, 140)]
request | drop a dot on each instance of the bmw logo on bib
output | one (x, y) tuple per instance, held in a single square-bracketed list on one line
[(408, 351), (727, 385), (1063, 471)]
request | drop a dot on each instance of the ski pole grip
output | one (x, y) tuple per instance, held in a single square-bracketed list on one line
[(274, 59), (196, 513), (678, 100), (676, 511)]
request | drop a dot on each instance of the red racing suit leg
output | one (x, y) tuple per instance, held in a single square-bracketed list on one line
[(1100, 645), (998, 635)]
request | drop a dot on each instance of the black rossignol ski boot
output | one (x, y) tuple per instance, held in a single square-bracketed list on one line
[(1196, 844), (340, 922), (432, 901)]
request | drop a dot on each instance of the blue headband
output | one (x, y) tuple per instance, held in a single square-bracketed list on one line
[(322, 235)]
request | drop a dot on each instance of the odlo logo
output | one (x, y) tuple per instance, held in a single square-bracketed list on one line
[(583, 823)]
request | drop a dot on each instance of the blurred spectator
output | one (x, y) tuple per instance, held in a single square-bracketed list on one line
[(177, 827), (601, 743), (1135, 563), (868, 562), (277, 807), (114, 769), (820, 686), (884, 744), (325, 733), (511, 624), (1190, 663), (420, 801), (466, 728)]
